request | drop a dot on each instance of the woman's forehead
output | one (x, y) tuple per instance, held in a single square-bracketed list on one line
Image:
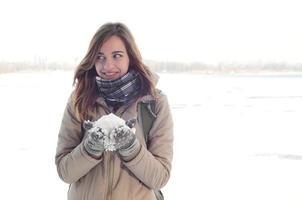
[(114, 43)]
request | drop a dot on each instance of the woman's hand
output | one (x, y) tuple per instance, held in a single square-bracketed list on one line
[(124, 137), (94, 143), (126, 143)]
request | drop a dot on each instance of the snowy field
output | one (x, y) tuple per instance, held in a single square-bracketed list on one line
[(236, 137)]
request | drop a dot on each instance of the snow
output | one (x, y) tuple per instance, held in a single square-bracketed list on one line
[(107, 123), (236, 137)]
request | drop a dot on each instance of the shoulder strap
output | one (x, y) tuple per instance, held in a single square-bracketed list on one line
[(148, 116)]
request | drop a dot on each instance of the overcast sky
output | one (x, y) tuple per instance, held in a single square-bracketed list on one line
[(207, 31)]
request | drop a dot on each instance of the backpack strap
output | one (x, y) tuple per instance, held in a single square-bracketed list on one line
[(148, 117)]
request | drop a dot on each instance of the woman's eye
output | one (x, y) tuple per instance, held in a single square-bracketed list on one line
[(117, 56), (101, 58)]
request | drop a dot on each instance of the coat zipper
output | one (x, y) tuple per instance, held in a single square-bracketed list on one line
[(108, 191), (110, 181), (110, 161)]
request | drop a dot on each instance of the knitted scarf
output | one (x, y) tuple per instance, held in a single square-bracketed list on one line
[(121, 90)]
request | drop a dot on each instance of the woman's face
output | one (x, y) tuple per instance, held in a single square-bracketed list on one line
[(112, 59)]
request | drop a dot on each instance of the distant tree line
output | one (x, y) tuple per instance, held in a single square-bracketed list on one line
[(6, 67), (176, 67), (162, 67)]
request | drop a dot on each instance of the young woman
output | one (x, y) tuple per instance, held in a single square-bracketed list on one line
[(112, 78)]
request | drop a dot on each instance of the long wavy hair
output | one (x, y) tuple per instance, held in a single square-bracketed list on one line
[(85, 94)]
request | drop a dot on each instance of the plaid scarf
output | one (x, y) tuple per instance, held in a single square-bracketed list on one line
[(121, 90)]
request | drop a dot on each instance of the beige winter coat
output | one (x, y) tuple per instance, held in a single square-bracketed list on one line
[(110, 177)]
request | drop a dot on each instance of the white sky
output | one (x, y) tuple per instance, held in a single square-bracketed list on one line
[(207, 31)]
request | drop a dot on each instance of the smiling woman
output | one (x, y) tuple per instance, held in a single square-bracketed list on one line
[(112, 80), (112, 60)]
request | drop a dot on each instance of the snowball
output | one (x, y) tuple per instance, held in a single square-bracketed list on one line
[(109, 122)]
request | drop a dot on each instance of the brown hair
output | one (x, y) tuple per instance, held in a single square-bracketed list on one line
[(84, 78)]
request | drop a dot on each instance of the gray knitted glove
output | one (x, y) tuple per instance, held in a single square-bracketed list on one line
[(126, 142), (94, 143), (123, 135)]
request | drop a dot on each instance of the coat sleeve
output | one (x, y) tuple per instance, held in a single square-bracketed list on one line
[(71, 159), (152, 166)]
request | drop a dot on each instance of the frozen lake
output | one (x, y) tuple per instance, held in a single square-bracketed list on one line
[(236, 137)]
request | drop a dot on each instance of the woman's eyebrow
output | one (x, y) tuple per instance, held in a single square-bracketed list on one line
[(113, 52)]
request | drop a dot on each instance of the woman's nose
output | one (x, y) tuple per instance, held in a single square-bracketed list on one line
[(108, 64)]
